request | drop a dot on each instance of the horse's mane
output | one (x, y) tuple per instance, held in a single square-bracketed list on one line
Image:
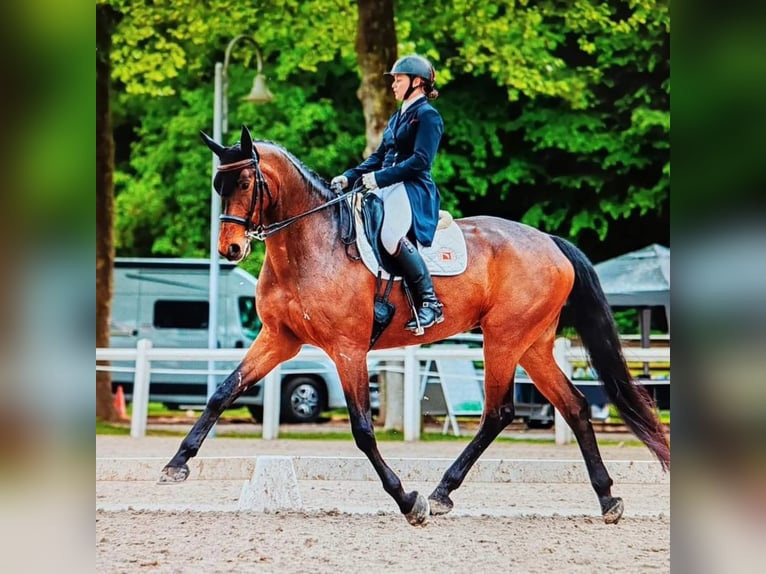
[(312, 178)]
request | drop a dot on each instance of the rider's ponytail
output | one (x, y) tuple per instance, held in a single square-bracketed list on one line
[(429, 90)]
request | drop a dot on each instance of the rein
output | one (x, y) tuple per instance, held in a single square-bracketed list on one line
[(261, 232)]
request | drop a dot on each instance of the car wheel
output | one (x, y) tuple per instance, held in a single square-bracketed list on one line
[(256, 411), (302, 400)]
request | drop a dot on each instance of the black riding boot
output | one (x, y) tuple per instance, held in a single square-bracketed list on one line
[(418, 278)]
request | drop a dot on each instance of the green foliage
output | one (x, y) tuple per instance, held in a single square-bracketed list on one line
[(627, 321), (556, 113)]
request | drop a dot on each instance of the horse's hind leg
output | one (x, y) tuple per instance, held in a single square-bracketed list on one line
[(266, 353), (498, 414), (550, 380)]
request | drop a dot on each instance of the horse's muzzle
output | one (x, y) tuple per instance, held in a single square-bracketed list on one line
[(235, 252)]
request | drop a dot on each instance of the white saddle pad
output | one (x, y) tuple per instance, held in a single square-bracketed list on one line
[(447, 255)]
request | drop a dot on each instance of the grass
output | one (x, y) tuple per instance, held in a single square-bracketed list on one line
[(614, 416), (159, 410), (111, 429), (103, 428)]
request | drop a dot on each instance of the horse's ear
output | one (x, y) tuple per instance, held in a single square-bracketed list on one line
[(246, 141), (214, 146)]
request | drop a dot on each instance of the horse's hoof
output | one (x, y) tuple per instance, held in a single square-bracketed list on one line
[(613, 514), (440, 504), (173, 474), (417, 516)]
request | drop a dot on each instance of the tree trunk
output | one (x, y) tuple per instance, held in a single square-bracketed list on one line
[(105, 20), (376, 53)]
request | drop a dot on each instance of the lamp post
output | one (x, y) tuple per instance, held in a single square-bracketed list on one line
[(258, 94)]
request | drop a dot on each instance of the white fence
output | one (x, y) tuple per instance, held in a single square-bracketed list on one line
[(144, 354)]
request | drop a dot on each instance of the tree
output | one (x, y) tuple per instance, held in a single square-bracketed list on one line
[(163, 63), (555, 113), (582, 141), (105, 20), (376, 52)]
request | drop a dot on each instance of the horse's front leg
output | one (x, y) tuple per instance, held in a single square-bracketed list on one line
[(355, 381), (266, 352)]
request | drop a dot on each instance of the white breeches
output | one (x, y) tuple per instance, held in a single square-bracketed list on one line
[(397, 215)]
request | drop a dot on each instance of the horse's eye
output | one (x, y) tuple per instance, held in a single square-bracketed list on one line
[(243, 185)]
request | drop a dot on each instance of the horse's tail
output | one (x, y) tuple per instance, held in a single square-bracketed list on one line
[(595, 324)]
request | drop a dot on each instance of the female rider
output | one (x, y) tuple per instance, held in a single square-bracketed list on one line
[(399, 172)]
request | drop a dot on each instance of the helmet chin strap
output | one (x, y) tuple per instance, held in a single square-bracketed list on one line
[(411, 89)]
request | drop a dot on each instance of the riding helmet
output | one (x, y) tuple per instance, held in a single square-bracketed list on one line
[(413, 65)]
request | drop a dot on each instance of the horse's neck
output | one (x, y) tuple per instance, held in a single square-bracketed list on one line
[(307, 247), (310, 242)]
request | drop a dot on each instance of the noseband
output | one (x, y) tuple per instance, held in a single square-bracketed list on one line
[(261, 188)]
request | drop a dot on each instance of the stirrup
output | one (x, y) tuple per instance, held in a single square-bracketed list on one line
[(419, 328)]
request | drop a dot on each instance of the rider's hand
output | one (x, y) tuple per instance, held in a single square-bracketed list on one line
[(368, 180), (339, 181)]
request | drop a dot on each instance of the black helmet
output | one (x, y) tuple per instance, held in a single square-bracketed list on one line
[(413, 65)]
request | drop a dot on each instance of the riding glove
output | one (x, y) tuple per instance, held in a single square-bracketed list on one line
[(368, 180), (340, 181)]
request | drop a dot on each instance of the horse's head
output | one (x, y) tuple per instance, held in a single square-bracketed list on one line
[(241, 184)]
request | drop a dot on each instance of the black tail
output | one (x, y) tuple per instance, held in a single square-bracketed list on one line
[(595, 324)]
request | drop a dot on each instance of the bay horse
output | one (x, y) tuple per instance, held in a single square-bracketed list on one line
[(309, 291)]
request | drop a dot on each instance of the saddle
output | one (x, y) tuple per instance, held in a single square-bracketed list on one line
[(446, 256)]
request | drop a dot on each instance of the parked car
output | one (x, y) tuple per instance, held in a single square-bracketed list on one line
[(166, 301), (530, 406)]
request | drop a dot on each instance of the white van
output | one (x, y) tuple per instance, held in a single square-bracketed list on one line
[(166, 301)]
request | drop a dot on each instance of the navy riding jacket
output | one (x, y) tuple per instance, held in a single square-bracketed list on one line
[(405, 155)]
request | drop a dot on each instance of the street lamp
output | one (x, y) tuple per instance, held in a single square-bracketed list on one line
[(258, 94)]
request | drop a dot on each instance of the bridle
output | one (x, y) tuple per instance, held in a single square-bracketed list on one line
[(261, 189)]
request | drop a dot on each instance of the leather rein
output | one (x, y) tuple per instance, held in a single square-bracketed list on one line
[(261, 188)]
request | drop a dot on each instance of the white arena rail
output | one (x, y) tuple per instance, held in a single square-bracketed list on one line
[(144, 354)]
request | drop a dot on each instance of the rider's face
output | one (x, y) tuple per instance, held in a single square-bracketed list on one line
[(401, 85)]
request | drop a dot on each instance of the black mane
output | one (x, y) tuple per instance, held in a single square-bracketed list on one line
[(313, 179)]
